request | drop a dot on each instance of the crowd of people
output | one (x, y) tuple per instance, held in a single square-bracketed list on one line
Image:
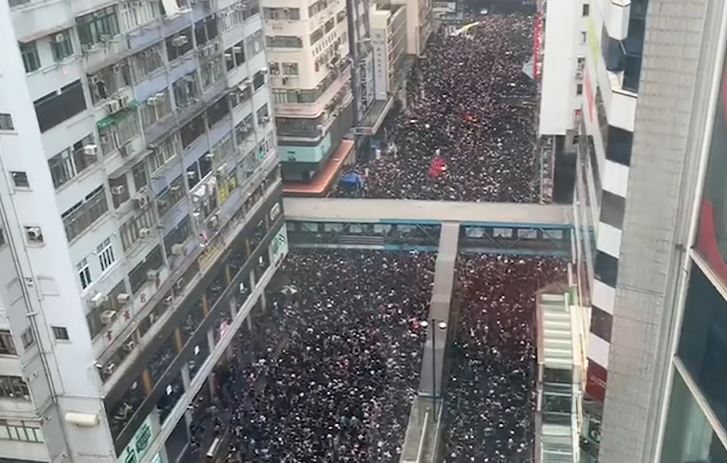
[(330, 370), (468, 132), (491, 393)]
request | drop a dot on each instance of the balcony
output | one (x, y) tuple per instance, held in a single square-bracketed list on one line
[(311, 103)]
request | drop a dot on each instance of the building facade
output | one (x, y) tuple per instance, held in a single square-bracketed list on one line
[(310, 73), (148, 186), (647, 214)]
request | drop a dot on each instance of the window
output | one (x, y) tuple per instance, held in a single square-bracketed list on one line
[(606, 269), (193, 130), (282, 13), (612, 209), (703, 344), (186, 90), (31, 60), (135, 13), (13, 387), (601, 323), (105, 253), (20, 179), (107, 82), (170, 196), (93, 318), (290, 69), (14, 3), (579, 89), (140, 274), (211, 72), (263, 115), (146, 61), (258, 80), (138, 172), (84, 273), (72, 161), (136, 228), (99, 26), (56, 107), (61, 45), (7, 345), (60, 333), (27, 338), (20, 431), (584, 37), (217, 111), (6, 122), (2, 237), (165, 152), (84, 213), (586, 9), (179, 44), (156, 108), (123, 128)]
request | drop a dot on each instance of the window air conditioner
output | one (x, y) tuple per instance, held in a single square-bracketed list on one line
[(108, 316)]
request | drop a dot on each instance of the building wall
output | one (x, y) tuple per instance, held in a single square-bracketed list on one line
[(558, 99), (669, 128)]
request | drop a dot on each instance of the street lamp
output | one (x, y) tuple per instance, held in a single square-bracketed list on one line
[(442, 325)]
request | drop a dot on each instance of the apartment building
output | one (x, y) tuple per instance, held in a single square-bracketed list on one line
[(141, 182), (309, 64)]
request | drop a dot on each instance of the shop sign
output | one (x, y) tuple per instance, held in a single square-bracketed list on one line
[(140, 443)]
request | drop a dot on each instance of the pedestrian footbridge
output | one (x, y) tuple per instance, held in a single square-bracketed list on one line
[(506, 228)]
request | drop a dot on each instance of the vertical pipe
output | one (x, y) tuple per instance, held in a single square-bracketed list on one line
[(434, 367)]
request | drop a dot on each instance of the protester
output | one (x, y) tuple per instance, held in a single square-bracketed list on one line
[(469, 130), (491, 393), (331, 377)]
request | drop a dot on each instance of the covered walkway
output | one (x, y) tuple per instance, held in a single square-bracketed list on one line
[(415, 211)]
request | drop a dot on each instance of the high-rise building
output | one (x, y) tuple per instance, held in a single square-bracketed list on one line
[(140, 218), (648, 214), (311, 79)]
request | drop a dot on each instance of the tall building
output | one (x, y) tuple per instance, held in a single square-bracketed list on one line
[(140, 218), (648, 214), (310, 71)]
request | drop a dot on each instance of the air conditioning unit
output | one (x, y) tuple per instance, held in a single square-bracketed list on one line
[(176, 188), (144, 232), (123, 298), (93, 79), (180, 41), (237, 49), (58, 38), (113, 107), (90, 150), (265, 119), (579, 75), (118, 190), (141, 201), (108, 316), (228, 56), (116, 68), (152, 101), (98, 300), (110, 368), (34, 234), (179, 249), (152, 275), (214, 221), (129, 345), (168, 300), (123, 101)]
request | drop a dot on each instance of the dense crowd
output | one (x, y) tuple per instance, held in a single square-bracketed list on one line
[(468, 132), (330, 370), (491, 391)]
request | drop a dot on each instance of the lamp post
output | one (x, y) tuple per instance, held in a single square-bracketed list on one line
[(441, 324)]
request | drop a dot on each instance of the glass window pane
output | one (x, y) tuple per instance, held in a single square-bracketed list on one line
[(688, 435), (703, 342)]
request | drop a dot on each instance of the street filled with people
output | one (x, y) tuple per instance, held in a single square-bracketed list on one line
[(468, 130), (328, 373), (490, 402)]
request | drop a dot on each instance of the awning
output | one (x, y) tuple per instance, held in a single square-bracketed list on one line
[(108, 121)]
